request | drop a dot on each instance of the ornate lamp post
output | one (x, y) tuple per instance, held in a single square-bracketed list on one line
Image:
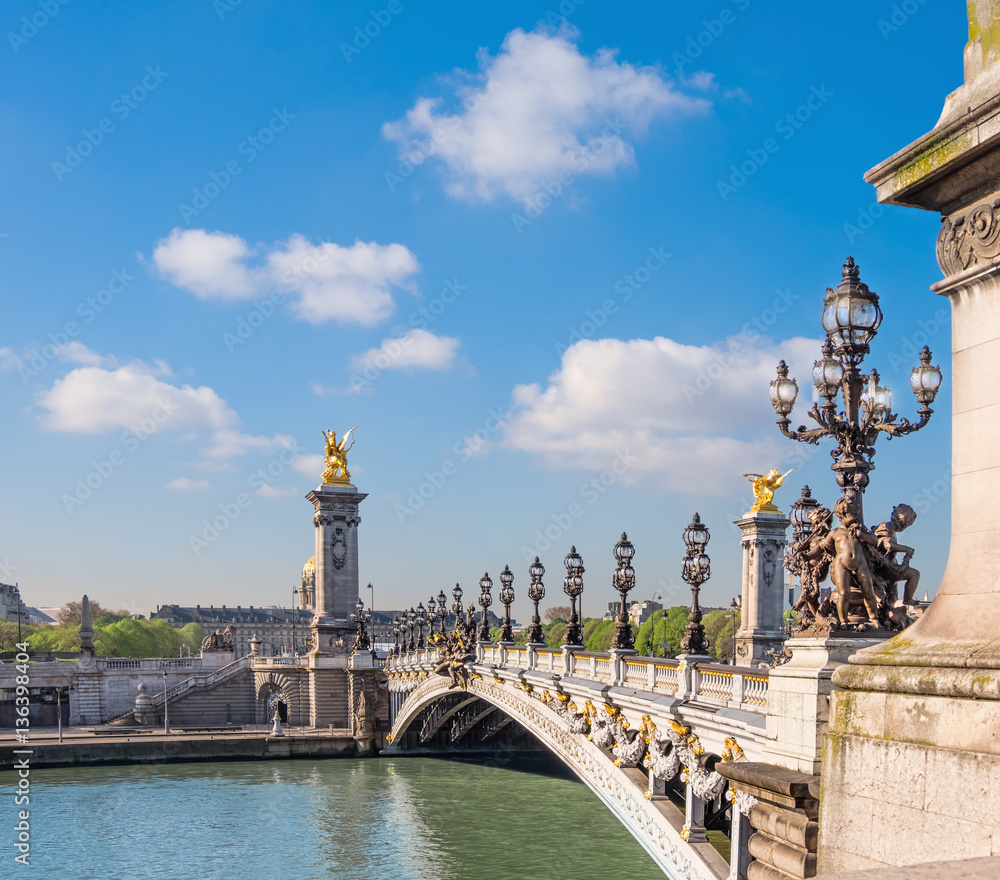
[(358, 616), (536, 592), (442, 610), (411, 624), (456, 606), (396, 629), (506, 596), (421, 620), (624, 580), (431, 617), (735, 605), (851, 318), (573, 587), (801, 516), (485, 600), (695, 570)]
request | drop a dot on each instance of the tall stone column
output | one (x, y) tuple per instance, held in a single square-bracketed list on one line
[(763, 602), (337, 579), (911, 768)]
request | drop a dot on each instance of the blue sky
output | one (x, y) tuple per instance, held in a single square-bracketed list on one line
[(546, 258)]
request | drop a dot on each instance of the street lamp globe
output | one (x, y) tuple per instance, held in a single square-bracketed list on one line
[(925, 380), (851, 315), (783, 391), (828, 373)]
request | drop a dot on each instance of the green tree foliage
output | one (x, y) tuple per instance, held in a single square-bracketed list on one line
[(555, 634), (662, 627), (721, 631), (73, 612), (192, 635), (601, 636), (126, 638)]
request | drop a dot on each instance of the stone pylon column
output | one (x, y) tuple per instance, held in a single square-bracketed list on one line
[(763, 595), (336, 520), (913, 722)]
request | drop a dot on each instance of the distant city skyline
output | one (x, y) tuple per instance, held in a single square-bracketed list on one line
[(546, 261)]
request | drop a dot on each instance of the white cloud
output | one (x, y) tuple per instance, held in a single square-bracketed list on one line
[(536, 109), (415, 349), (76, 352), (326, 281), (209, 264), (9, 360), (310, 465), (92, 400), (134, 397), (268, 491), (691, 415), (187, 484)]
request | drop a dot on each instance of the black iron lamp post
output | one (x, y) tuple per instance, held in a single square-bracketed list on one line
[(802, 526), (456, 606), (573, 587), (442, 610), (506, 596), (695, 570), (421, 620), (431, 617), (851, 318), (485, 600), (358, 616), (624, 580), (17, 604), (295, 614), (411, 624), (396, 627), (536, 592), (735, 605)]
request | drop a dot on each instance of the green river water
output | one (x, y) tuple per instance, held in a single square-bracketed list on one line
[(397, 818)]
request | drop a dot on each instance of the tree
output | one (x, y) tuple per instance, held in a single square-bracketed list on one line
[(555, 634), (126, 638), (719, 630), (601, 637), (662, 627), (557, 612), (73, 612), (192, 635)]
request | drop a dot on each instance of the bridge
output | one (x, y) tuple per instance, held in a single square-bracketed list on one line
[(644, 734)]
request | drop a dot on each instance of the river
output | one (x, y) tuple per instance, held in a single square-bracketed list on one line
[(394, 818)]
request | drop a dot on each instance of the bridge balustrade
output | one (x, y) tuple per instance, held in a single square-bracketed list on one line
[(712, 684)]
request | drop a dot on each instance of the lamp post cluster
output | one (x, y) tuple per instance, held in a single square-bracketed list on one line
[(573, 587), (536, 592), (624, 580), (851, 318), (361, 617)]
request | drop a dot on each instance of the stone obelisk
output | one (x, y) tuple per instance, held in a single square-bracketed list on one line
[(911, 768)]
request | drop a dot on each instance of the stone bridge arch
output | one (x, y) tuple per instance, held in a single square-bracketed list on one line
[(268, 685), (656, 825)]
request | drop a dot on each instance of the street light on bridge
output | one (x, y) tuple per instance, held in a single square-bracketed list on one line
[(456, 607), (573, 587), (536, 592), (421, 620), (695, 570), (485, 600), (442, 610), (624, 580), (851, 318), (506, 596)]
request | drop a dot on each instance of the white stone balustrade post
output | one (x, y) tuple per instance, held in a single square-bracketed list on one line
[(737, 687), (694, 817), (739, 839)]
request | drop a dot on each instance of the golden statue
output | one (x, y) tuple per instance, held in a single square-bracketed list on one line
[(764, 487), (336, 472)]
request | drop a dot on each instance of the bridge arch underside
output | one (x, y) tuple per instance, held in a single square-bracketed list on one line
[(500, 717)]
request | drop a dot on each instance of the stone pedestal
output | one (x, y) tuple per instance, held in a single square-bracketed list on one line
[(336, 519), (911, 768), (763, 604), (798, 700)]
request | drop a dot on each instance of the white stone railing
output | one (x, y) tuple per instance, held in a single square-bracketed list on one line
[(277, 661), (148, 663), (709, 683), (215, 677)]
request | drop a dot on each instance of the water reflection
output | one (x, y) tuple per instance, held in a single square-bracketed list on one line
[(405, 818)]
